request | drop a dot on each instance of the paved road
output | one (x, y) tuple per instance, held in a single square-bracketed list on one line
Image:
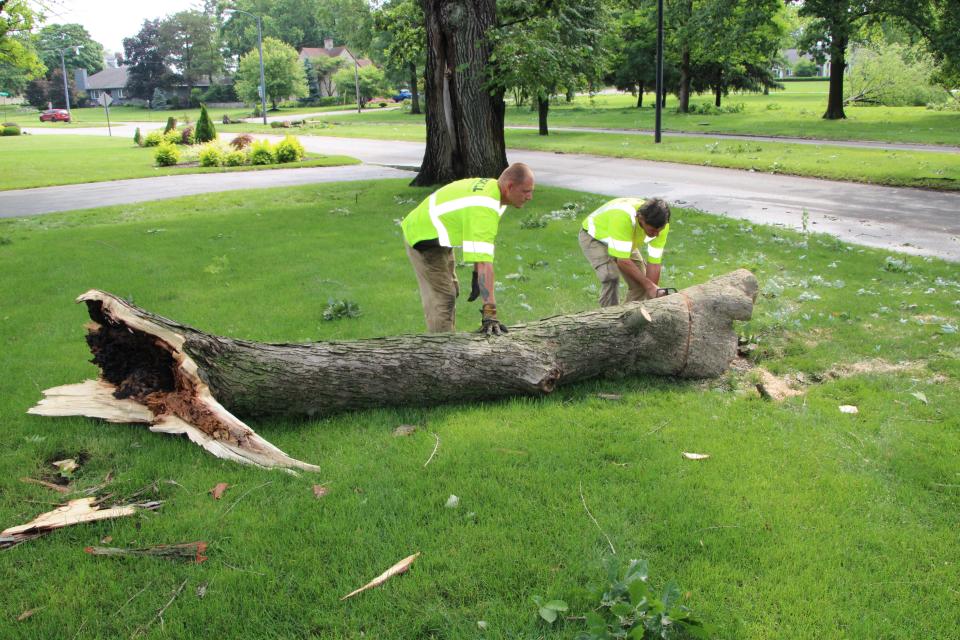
[(916, 221)]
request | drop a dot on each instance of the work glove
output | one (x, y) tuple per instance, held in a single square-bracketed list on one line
[(665, 291), (489, 325), (474, 287)]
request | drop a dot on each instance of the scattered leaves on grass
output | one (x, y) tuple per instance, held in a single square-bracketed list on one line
[(395, 570), (320, 491), (217, 491), (919, 395), (848, 408), (610, 396), (695, 456), (452, 502), (550, 610), (404, 430)]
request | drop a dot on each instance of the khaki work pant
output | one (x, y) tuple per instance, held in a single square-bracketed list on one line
[(605, 266), (436, 271)]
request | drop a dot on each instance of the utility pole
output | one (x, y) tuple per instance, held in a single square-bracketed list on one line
[(263, 82), (356, 79), (659, 99)]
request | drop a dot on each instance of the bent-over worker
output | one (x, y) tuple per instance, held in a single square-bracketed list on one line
[(465, 213), (611, 238)]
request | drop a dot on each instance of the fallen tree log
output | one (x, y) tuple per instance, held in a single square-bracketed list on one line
[(180, 380)]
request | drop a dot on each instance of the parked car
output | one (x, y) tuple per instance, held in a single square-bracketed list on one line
[(403, 94), (55, 115)]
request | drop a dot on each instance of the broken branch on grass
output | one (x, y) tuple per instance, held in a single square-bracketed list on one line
[(584, 501), (74, 512), (184, 551), (395, 570), (244, 495), (48, 485), (159, 616), (437, 446)]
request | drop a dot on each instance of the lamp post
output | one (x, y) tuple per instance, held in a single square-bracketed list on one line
[(356, 80), (659, 98), (263, 82)]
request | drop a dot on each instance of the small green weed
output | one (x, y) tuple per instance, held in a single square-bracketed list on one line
[(337, 309)]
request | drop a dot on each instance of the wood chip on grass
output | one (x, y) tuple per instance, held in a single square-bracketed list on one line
[(217, 491), (395, 570), (695, 456)]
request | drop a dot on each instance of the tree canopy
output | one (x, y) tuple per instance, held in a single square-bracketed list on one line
[(283, 71), (56, 37)]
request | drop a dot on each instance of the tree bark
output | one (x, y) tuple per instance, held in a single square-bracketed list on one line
[(181, 380), (684, 95), (639, 95), (718, 93), (415, 92), (464, 121), (838, 50), (543, 109)]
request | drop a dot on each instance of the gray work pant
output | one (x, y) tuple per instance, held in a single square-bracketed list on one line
[(607, 272)]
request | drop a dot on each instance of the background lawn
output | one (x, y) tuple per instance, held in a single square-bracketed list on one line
[(804, 523), (878, 166), (42, 161)]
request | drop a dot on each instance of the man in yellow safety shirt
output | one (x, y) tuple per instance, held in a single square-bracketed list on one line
[(465, 213), (611, 238)]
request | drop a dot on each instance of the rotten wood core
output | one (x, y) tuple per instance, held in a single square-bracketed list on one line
[(181, 380)]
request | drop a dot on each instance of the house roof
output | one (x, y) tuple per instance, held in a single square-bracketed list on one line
[(333, 52), (109, 78)]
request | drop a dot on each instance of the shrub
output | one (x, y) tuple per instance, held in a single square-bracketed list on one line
[(187, 136), (10, 130), (261, 152), (242, 141), (166, 155), (289, 150), (211, 155), (382, 104), (234, 158), (205, 130), (256, 111), (276, 124), (172, 137), (171, 124), (153, 138), (137, 138)]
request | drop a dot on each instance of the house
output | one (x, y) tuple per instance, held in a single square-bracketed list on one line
[(325, 83), (791, 58), (112, 80)]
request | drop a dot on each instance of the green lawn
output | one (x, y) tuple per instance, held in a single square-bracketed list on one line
[(877, 166), (95, 116), (42, 161), (804, 523)]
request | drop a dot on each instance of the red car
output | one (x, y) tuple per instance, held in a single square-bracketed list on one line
[(55, 115)]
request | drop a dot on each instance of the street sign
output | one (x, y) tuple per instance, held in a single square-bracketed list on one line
[(4, 94), (105, 99)]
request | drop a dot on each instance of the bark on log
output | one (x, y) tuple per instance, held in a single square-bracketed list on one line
[(181, 380)]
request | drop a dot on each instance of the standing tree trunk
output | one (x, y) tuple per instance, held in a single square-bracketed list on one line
[(684, 95), (543, 108), (639, 94), (718, 91), (464, 121), (838, 52), (415, 98), (180, 380)]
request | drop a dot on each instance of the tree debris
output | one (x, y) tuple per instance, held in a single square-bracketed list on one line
[(404, 430), (320, 491), (695, 456), (395, 570), (218, 490), (773, 388), (437, 446), (26, 614), (74, 512), (66, 467), (193, 551), (180, 380), (848, 408), (610, 396), (49, 485)]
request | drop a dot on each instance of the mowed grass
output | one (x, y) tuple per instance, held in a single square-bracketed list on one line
[(877, 166), (42, 161), (803, 523)]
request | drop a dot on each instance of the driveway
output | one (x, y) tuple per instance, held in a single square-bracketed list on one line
[(916, 221)]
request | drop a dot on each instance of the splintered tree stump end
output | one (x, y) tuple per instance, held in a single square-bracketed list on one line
[(180, 380)]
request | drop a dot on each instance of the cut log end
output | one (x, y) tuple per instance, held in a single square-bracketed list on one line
[(147, 378)]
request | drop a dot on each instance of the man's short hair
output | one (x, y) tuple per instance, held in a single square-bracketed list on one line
[(516, 173), (655, 212)]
